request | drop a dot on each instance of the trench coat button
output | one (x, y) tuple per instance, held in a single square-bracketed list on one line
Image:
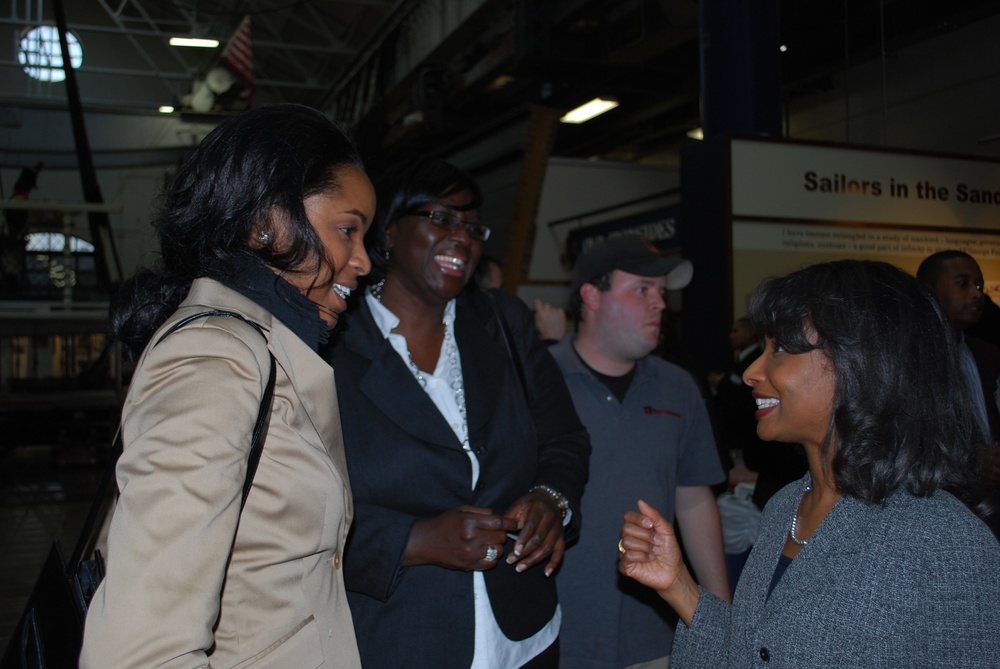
[(765, 654), (335, 560)]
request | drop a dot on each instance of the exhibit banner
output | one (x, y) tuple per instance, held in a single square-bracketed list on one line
[(798, 203), (659, 226), (806, 181)]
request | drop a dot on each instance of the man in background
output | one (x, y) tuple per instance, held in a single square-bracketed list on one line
[(776, 463), (651, 440), (957, 281), (955, 278)]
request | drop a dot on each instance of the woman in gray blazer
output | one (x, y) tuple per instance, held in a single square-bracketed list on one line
[(880, 556), (263, 227)]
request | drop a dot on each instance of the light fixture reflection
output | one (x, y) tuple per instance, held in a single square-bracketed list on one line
[(166, 109), (697, 133), (589, 110)]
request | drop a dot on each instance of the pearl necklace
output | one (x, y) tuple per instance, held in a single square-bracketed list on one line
[(795, 522), (454, 376)]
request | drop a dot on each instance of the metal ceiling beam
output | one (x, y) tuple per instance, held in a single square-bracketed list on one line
[(149, 21), (325, 48), (177, 76), (152, 64)]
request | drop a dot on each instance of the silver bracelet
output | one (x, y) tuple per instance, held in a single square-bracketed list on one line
[(560, 499)]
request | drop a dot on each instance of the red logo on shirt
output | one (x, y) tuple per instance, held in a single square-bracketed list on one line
[(650, 411)]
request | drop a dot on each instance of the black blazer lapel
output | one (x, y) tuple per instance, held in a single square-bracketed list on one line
[(484, 367), (391, 387)]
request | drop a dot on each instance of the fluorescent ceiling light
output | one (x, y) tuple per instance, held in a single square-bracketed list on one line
[(195, 42), (166, 109), (589, 110)]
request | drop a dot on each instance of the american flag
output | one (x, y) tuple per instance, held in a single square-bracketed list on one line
[(238, 54)]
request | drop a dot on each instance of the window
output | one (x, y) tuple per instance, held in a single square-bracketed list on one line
[(56, 242), (40, 54), (49, 271)]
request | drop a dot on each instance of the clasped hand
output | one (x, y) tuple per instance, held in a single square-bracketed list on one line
[(462, 538)]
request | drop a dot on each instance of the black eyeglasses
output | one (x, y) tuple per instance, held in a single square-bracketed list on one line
[(452, 222)]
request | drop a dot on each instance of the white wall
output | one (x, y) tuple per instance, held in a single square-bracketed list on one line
[(576, 188)]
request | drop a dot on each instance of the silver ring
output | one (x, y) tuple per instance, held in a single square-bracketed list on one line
[(491, 553), (621, 549)]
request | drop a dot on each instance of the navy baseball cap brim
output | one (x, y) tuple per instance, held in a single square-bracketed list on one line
[(632, 254)]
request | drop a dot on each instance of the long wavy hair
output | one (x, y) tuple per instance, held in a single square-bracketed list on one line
[(251, 169), (902, 414)]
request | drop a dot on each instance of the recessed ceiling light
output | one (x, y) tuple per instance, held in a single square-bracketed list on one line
[(196, 42), (589, 110)]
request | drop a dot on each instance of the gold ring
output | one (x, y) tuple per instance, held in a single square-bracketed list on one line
[(621, 549)]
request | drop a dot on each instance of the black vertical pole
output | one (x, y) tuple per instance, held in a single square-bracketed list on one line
[(740, 95), (100, 223)]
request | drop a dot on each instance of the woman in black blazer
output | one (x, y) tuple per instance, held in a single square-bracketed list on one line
[(466, 457)]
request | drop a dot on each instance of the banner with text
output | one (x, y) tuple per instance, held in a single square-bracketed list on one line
[(794, 180), (796, 203), (658, 226)]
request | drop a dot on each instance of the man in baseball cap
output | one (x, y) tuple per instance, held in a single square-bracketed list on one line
[(651, 440), (632, 254)]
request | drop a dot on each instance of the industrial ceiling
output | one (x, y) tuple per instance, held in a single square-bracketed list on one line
[(430, 75)]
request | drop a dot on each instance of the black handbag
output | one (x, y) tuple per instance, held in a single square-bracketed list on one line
[(50, 633)]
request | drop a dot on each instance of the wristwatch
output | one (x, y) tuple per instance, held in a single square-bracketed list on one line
[(561, 500)]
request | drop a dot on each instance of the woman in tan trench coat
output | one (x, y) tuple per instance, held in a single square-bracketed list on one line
[(265, 221)]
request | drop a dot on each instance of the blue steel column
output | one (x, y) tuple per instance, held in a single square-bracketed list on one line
[(740, 68), (740, 95)]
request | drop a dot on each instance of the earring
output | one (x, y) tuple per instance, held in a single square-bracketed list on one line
[(264, 237), (387, 254)]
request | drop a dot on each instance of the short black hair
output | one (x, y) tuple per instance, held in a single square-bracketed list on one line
[(603, 284), (902, 415), (403, 190), (932, 266), (252, 167)]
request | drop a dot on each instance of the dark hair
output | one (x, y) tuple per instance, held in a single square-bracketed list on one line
[(932, 266), (482, 276), (902, 414), (603, 284), (251, 168), (406, 188)]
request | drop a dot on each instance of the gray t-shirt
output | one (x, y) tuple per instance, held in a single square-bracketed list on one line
[(643, 448)]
